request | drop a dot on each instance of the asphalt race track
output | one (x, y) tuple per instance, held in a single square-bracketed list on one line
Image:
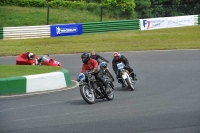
[(166, 99)]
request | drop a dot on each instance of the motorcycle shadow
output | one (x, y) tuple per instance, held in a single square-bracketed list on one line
[(122, 89), (82, 102)]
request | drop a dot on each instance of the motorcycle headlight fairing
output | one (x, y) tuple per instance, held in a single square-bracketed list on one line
[(122, 71)]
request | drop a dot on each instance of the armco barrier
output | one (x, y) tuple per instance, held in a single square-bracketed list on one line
[(1, 32), (23, 32), (35, 83), (195, 19), (198, 19), (94, 27)]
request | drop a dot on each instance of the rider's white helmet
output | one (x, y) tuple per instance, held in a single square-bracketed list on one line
[(30, 56)]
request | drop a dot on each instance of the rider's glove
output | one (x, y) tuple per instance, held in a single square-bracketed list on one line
[(94, 71)]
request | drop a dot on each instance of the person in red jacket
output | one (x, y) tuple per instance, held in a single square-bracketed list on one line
[(92, 65)]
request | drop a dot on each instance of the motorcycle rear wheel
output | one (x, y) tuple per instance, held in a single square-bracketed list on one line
[(88, 96)]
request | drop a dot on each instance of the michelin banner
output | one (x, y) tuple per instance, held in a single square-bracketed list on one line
[(166, 22), (66, 30)]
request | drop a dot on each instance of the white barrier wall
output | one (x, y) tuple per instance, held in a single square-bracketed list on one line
[(23, 32), (167, 22), (44, 82)]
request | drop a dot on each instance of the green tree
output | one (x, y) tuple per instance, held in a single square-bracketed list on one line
[(143, 8), (123, 7), (165, 8)]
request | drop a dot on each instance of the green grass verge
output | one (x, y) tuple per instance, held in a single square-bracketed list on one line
[(22, 70), (26, 16), (162, 39)]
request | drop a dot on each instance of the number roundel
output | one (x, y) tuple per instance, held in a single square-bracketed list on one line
[(81, 76)]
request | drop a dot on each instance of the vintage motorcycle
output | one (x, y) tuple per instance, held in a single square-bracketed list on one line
[(104, 67), (23, 59), (126, 76), (94, 89)]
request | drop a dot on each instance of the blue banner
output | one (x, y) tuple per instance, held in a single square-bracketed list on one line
[(66, 30)]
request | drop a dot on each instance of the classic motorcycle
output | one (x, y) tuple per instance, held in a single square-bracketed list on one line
[(23, 59), (126, 76), (104, 67), (94, 89)]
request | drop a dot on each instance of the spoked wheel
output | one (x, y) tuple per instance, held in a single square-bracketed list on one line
[(109, 75), (87, 95), (130, 85)]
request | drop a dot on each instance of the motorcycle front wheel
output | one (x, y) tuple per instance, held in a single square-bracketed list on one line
[(130, 85), (88, 96)]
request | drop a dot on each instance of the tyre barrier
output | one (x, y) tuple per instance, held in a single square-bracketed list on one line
[(35, 83)]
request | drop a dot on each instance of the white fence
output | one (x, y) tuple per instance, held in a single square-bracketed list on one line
[(195, 19), (24, 32)]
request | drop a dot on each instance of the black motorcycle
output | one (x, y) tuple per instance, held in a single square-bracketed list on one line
[(92, 89), (104, 67)]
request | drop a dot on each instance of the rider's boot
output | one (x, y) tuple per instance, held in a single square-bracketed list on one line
[(107, 90), (133, 75), (106, 87), (98, 94)]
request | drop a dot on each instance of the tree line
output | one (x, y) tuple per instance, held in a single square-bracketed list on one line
[(120, 9)]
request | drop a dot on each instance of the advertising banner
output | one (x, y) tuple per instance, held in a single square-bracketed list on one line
[(66, 30), (166, 22)]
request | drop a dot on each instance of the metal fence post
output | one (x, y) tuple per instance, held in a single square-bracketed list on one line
[(47, 13), (101, 13)]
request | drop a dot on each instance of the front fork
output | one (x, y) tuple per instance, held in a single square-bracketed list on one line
[(90, 89), (123, 77)]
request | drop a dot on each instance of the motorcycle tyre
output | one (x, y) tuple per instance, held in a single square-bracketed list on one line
[(82, 88), (129, 85)]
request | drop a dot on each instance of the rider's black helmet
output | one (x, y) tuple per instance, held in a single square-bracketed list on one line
[(85, 57)]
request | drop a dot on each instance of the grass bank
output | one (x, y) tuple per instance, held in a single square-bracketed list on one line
[(21, 70), (161, 39), (11, 16)]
